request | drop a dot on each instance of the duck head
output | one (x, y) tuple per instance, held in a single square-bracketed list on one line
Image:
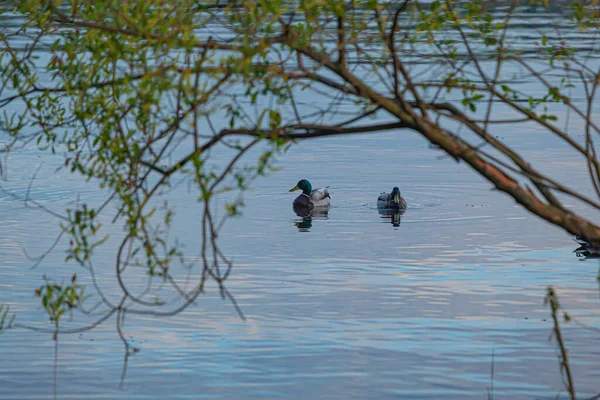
[(303, 185), (395, 203)]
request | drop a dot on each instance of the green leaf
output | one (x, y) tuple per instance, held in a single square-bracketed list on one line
[(490, 41)]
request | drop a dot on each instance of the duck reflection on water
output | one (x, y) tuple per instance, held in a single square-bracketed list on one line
[(394, 215), (308, 214)]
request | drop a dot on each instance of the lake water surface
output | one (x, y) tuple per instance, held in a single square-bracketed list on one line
[(340, 306), (350, 307)]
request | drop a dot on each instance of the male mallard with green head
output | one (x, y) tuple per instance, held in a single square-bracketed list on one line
[(311, 198), (391, 200)]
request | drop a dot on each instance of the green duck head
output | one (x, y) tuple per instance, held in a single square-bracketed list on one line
[(303, 185), (396, 197)]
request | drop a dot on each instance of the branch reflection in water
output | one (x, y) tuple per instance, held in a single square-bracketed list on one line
[(586, 251), (308, 214)]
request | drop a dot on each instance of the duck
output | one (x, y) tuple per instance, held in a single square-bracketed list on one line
[(393, 200), (310, 198)]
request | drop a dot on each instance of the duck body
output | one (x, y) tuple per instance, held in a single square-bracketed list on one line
[(391, 201), (310, 198)]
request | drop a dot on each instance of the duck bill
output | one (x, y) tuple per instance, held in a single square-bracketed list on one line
[(294, 188), (397, 199)]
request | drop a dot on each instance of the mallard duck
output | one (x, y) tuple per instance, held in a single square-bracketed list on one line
[(310, 198), (391, 200)]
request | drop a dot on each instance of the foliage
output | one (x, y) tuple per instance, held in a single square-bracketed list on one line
[(60, 299)]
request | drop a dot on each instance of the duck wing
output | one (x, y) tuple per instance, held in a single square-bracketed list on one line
[(384, 200), (319, 194), (384, 197), (320, 197)]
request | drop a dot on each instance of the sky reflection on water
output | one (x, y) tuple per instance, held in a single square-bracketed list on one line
[(345, 306)]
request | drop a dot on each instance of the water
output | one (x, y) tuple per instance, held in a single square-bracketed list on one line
[(344, 305), (351, 307)]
